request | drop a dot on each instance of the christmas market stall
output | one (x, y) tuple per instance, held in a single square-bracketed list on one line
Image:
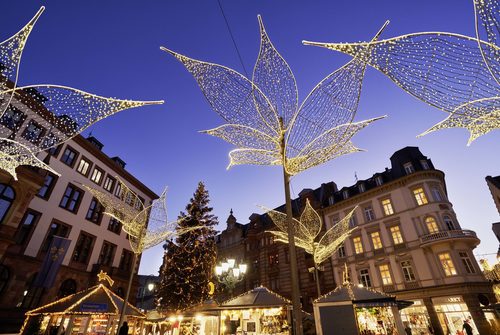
[(352, 309), (258, 311), (94, 311)]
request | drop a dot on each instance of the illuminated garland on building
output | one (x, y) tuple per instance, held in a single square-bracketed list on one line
[(264, 119), (308, 229), (454, 73), (54, 113)]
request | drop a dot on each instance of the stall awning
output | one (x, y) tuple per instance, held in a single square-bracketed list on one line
[(95, 300), (357, 294), (258, 297)]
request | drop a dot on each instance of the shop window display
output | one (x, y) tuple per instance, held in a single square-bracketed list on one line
[(452, 313), (416, 318), (376, 321)]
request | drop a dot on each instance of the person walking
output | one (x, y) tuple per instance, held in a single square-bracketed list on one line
[(123, 329), (467, 327)]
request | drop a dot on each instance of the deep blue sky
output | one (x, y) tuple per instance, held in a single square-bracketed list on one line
[(111, 48)]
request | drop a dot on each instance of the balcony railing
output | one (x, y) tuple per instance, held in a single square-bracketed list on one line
[(447, 234)]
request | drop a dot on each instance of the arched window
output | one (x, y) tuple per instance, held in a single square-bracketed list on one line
[(67, 287), (4, 277), (448, 222), (7, 196), (31, 294), (431, 224)]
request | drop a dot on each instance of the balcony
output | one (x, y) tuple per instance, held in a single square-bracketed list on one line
[(441, 236)]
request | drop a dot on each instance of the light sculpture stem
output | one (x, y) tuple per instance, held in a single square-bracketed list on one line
[(316, 274), (129, 286), (297, 314)]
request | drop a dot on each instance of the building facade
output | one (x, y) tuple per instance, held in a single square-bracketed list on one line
[(408, 243), (41, 205), (494, 186)]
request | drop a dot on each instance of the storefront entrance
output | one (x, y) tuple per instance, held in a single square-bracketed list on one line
[(452, 313), (417, 318)]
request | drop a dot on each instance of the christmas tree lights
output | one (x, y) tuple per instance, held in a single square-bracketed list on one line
[(308, 229), (40, 117), (454, 73)]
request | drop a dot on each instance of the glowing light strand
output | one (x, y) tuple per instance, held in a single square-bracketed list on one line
[(308, 230), (454, 73), (264, 120)]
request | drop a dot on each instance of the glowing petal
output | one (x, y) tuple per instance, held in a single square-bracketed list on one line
[(488, 25), (310, 223), (275, 78), (244, 137), (11, 51), (14, 154), (253, 157), (63, 111), (235, 98)]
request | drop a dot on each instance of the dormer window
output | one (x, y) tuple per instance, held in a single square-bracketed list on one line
[(425, 164), (378, 181), (345, 194), (331, 200), (409, 169), (361, 188)]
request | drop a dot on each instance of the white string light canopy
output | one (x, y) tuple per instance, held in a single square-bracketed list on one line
[(454, 73), (40, 117)]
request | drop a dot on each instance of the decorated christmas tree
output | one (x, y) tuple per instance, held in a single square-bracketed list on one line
[(189, 261)]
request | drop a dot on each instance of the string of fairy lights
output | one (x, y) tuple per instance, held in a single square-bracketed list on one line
[(454, 73), (308, 232), (264, 120), (41, 117)]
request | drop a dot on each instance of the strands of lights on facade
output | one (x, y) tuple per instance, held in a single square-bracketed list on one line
[(457, 74)]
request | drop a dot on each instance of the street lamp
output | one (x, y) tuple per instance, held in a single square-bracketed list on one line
[(229, 273), (150, 288)]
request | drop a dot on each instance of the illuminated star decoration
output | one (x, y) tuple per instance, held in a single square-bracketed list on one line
[(146, 226), (264, 119), (454, 73), (307, 231), (40, 117), (104, 276)]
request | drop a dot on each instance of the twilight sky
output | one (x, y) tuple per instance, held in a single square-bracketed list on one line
[(111, 48)]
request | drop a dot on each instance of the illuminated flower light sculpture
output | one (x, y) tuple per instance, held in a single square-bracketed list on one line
[(40, 117), (307, 233), (267, 125), (454, 73), (146, 226)]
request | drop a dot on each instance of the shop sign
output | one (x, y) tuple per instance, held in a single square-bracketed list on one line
[(447, 300), (93, 307)]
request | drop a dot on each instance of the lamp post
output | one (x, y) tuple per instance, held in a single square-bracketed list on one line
[(229, 273)]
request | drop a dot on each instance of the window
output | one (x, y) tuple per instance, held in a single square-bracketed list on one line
[(408, 271), (385, 274), (273, 259), (83, 248), (364, 278), (275, 284), (431, 224), (69, 156), (353, 222), (379, 181), (49, 143), (397, 238), (118, 190), (12, 118), (96, 176), (115, 226), (126, 260), (27, 223), (466, 261), (107, 254), (420, 197), (436, 193), (331, 200), (109, 183), (377, 242), (345, 194), (448, 222), (408, 168), (84, 167), (55, 229), (31, 294), (387, 206), (53, 151), (48, 186), (447, 264), (139, 205), (94, 214), (358, 246), (424, 164), (68, 287), (4, 277), (71, 198), (33, 132), (361, 188), (369, 214), (334, 219), (342, 251), (7, 196)]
